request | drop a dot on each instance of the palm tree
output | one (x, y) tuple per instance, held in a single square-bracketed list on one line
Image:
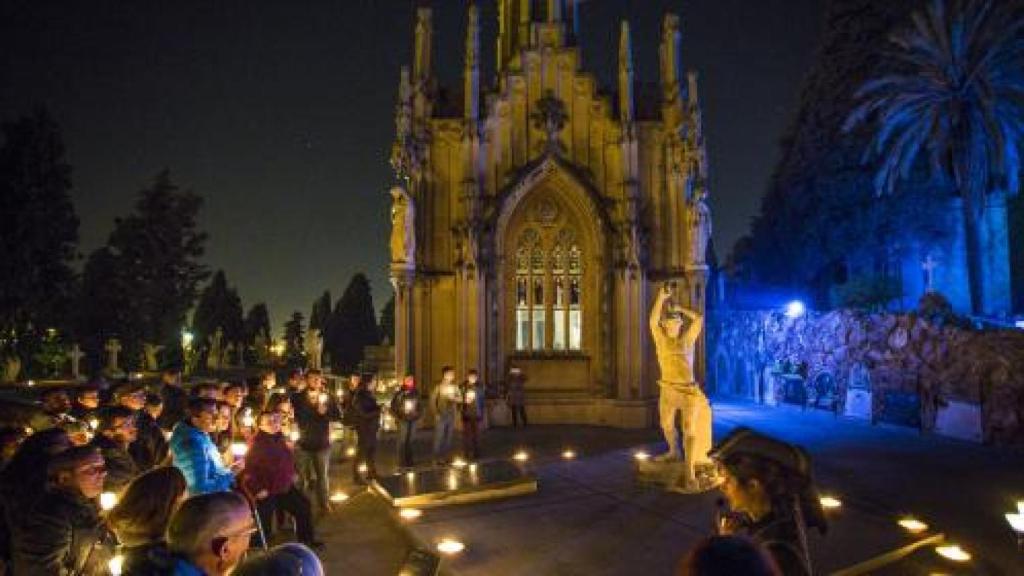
[(954, 88)]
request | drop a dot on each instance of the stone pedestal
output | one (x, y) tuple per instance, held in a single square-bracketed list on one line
[(858, 404), (671, 475), (959, 420)]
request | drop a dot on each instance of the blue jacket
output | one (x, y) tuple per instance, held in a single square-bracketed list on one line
[(198, 459)]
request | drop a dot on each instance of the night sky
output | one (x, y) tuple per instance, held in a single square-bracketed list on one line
[(280, 114)]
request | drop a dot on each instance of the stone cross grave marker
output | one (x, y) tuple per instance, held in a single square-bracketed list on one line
[(75, 355), (113, 347)]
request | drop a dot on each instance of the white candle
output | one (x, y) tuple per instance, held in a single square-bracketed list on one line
[(409, 406), (107, 500)]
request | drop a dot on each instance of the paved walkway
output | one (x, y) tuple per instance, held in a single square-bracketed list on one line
[(590, 517)]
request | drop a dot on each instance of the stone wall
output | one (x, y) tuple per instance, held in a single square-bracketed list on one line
[(943, 362)]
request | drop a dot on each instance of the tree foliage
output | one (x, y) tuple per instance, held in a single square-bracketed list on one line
[(956, 97), (353, 325), (294, 341), (387, 320), (150, 271), (219, 307), (321, 314), (39, 233)]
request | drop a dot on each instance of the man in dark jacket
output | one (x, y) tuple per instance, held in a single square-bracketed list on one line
[(175, 399), (270, 475), (367, 412), (149, 447), (63, 534), (114, 434), (314, 410), (471, 408), (349, 416), (406, 408)]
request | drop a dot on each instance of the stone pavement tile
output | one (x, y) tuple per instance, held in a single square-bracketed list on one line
[(363, 537)]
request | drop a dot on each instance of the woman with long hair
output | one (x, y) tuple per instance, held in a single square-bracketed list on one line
[(140, 518), (771, 497)]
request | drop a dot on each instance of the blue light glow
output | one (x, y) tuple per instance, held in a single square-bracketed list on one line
[(795, 309)]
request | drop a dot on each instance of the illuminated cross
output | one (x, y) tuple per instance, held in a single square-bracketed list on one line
[(929, 265)]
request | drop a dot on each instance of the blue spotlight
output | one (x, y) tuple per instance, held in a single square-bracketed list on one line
[(795, 309)]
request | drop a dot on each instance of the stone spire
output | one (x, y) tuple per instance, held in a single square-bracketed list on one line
[(424, 39), (472, 70), (670, 54), (626, 103)]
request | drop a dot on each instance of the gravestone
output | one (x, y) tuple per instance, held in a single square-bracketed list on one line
[(150, 352), (113, 348), (901, 408), (858, 393), (75, 355), (959, 420)]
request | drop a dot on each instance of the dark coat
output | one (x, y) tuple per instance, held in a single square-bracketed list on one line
[(399, 404), (780, 537), (471, 406), (120, 466), (152, 559), (314, 427), (367, 412), (150, 447), (60, 536)]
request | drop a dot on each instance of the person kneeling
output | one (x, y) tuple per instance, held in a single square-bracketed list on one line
[(270, 476)]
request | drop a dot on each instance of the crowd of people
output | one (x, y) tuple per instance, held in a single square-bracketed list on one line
[(160, 479), (165, 480)]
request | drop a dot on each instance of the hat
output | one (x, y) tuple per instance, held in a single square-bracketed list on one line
[(747, 442)]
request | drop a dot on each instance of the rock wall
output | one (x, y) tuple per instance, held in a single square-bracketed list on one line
[(939, 360)]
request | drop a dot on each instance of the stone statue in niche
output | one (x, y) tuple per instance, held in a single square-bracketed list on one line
[(675, 330), (403, 231), (150, 352), (698, 227)]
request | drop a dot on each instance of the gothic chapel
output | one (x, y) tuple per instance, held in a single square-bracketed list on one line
[(534, 220)]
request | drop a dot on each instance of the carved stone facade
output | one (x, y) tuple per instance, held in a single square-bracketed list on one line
[(545, 216)]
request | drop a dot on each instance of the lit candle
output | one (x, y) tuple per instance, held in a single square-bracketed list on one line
[(409, 406), (363, 468), (569, 454), (339, 497), (350, 452), (323, 398), (247, 419), (459, 463), (471, 396), (107, 500), (641, 455), (115, 565), (294, 435), (521, 456), (93, 423), (239, 449)]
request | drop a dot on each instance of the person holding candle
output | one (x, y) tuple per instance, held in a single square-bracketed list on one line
[(114, 434), (349, 417), (445, 403), (471, 408), (314, 411), (270, 476), (367, 413), (406, 408), (63, 532), (194, 452)]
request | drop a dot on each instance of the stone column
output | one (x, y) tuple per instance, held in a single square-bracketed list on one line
[(697, 282), (402, 280)]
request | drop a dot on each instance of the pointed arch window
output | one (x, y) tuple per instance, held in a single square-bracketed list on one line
[(549, 284)]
